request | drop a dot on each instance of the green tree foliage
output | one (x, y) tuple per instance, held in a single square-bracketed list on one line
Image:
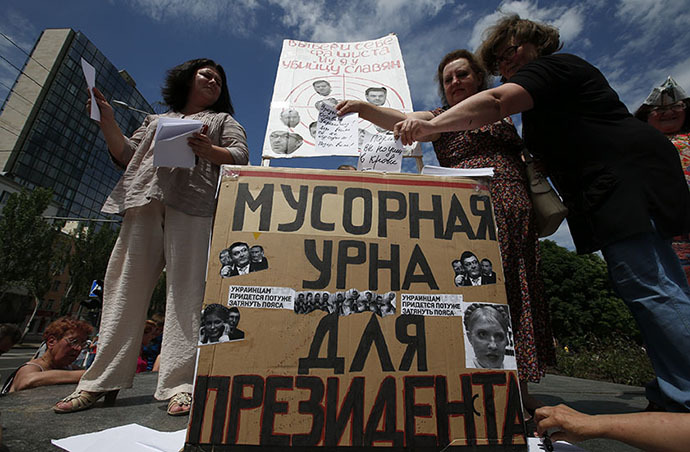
[(88, 261), (582, 302), (26, 243)]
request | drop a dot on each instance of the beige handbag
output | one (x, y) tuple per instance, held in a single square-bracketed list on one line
[(549, 210)]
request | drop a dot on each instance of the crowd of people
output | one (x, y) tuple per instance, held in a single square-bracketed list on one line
[(620, 176)]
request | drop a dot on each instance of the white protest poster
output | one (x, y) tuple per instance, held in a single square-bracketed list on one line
[(310, 74), (380, 152), (90, 76), (336, 134)]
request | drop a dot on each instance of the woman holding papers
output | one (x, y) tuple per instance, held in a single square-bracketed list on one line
[(619, 177), (496, 145), (167, 220)]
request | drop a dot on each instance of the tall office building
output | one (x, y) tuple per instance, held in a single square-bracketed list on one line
[(46, 136)]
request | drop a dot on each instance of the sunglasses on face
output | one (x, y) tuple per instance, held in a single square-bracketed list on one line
[(677, 107)]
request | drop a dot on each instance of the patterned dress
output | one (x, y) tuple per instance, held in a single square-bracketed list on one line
[(681, 243), (498, 145)]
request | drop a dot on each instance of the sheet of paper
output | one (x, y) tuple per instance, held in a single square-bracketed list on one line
[(131, 437), (535, 445), (90, 76), (380, 152), (335, 134), (170, 148), (431, 170)]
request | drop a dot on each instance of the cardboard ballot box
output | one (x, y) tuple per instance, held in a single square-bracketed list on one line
[(343, 310)]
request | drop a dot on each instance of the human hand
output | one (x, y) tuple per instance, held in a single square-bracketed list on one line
[(565, 423), (348, 106), (201, 144), (411, 130), (103, 105)]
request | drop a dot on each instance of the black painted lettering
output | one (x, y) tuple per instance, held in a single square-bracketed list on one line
[(245, 198), (271, 408), (487, 381), (515, 421), (299, 205), (457, 221), (317, 207), (384, 407), (238, 402), (417, 259), (372, 336), (327, 326), (416, 345), (445, 409), (435, 214), (486, 218), (349, 197), (314, 407), (350, 411), (376, 264), (413, 410), (323, 265), (386, 214), (344, 259)]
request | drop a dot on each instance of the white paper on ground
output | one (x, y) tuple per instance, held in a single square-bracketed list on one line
[(170, 148), (131, 438), (90, 76), (431, 170)]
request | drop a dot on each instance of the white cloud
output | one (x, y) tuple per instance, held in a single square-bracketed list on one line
[(569, 19), (562, 237)]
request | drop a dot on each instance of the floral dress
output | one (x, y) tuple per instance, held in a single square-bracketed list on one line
[(498, 145), (681, 243)]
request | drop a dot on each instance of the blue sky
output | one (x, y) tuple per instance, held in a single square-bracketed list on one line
[(635, 43)]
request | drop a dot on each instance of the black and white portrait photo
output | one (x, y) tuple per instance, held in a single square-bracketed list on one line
[(487, 271), (330, 101), (468, 271), (306, 302), (219, 324), (312, 129), (289, 117), (283, 142), (488, 336), (241, 259), (322, 87), (376, 95)]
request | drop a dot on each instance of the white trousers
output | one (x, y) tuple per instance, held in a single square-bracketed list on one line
[(152, 237)]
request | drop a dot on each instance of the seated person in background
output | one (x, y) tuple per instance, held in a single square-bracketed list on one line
[(64, 339), (647, 431), (9, 335), (151, 350)]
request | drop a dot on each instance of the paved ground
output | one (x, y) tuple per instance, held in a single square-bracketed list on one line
[(29, 423)]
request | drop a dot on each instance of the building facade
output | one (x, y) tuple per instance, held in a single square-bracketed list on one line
[(46, 136)]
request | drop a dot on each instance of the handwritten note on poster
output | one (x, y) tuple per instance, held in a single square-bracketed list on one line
[(380, 152), (336, 133)]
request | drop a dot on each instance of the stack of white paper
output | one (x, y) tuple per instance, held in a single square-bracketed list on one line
[(431, 170), (170, 146)]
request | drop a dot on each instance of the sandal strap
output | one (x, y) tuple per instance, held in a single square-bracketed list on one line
[(181, 399)]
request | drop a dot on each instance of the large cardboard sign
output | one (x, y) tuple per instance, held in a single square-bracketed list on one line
[(336, 315), (311, 73)]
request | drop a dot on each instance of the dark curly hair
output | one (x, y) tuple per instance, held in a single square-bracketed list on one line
[(179, 80), (545, 38), (475, 65), (60, 327)]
